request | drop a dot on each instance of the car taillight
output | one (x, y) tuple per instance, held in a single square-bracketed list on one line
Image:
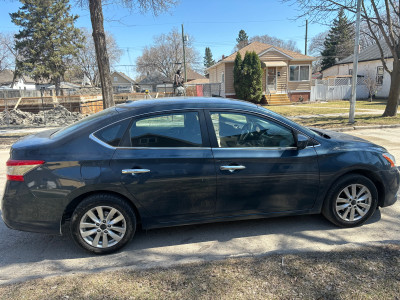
[(16, 169)]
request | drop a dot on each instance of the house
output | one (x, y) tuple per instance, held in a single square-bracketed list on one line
[(20, 83), (193, 75), (286, 74), (122, 83), (155, 81), (369, 66)]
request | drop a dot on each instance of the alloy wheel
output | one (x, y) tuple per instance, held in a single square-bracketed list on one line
[(353, 202), (102, 226)]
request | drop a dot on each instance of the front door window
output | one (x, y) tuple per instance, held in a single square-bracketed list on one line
[(271, 78)]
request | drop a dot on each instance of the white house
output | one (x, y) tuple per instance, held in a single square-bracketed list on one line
[(369, 65), (20, 83)]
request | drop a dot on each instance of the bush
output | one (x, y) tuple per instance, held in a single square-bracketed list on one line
[(248, 77)]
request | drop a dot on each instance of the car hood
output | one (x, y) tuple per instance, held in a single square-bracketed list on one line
[(347, 140)]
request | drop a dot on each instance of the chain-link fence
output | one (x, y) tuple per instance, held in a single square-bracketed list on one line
[(204, 90)]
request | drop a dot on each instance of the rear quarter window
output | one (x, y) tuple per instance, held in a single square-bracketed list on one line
[(112, 134), (84, 122)]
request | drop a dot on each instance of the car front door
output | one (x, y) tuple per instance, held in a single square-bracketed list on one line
[(167, 165), (259, 168)]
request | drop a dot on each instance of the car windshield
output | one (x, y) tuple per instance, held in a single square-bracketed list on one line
[(84, 122)]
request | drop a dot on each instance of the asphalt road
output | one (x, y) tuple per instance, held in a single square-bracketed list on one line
[(29, 255)]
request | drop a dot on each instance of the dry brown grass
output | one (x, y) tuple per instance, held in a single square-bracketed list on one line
[(365, 273), (337, 122), (331, 107)]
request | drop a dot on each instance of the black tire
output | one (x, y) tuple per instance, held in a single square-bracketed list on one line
[(108, 236), (357, 212)]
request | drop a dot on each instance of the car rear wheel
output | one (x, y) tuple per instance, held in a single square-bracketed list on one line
[(351, 201), (103, 223)]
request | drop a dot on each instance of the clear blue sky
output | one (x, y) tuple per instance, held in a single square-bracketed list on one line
[(212, 23)]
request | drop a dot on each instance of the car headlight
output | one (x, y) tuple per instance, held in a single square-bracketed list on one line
[(390, 158)]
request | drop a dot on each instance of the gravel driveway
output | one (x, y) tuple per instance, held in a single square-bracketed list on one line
[(30, 255)]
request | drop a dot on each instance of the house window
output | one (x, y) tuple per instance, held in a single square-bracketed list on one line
[(222, 77), (379, 75), (115, 79), (299, 73), (350, 71)]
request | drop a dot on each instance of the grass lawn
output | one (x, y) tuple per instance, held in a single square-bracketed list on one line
[(371, 113), (361, 120), (327, 107), (365, 273)]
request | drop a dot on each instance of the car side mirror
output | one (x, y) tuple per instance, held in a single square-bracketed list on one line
[(301, 141)]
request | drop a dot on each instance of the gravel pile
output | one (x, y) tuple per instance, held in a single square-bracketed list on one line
[(58, 116), (85, 91)]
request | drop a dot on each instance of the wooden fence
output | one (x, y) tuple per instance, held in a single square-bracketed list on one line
[(83, 104)]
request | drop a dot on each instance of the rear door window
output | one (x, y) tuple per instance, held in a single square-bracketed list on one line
[(166, 130)]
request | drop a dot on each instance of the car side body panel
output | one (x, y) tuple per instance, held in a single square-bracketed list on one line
[(76, 165)]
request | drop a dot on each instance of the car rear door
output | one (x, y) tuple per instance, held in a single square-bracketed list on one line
[(167, 165), (259, 169)]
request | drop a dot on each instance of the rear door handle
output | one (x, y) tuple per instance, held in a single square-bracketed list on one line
[(231, 168), (135, 171)]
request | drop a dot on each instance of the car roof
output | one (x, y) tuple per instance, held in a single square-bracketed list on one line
[(187, 102)]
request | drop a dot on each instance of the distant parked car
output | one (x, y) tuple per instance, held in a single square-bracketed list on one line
[(184, 161)]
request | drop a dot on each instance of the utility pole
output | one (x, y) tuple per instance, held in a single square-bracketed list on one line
[(184, 53), (355, 66), (305, 46)]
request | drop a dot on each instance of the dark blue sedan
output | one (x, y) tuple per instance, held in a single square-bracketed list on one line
[(183, 161)]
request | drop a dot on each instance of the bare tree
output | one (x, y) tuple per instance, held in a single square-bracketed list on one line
[(7, 53), (317, 43), (166, 55), (85, 64), (274, 41), (99, 36), (381, 18), (372, 86), (315, 48)]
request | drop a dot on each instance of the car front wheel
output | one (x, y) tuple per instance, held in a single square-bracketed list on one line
[(351, 201), (103, 223)]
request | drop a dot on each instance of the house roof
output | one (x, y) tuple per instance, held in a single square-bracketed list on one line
[(125, 77), (199, 81), (259, 47), (369, 53), (193, 75), (154, 78), (6, 77)]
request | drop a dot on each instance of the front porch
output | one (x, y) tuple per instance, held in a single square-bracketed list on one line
[(278, 89), (275, 85)]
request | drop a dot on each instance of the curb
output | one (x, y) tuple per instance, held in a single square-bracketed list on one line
[(364, 127)]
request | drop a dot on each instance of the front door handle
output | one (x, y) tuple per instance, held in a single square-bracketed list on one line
[(135, 171), (231, 168)]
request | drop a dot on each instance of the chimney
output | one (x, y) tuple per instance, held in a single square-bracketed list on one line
[(223, 56)]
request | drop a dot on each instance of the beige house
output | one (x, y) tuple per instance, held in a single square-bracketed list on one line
[(122, 83), (286, 74)]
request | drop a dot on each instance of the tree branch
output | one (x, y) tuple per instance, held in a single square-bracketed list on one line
[(377, 43)]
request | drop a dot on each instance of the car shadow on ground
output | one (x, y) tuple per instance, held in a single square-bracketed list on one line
[(24, 247)]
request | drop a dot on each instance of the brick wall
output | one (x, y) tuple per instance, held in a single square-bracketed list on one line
[(295, 97)]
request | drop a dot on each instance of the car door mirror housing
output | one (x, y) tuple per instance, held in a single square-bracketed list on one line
[(301, 141)]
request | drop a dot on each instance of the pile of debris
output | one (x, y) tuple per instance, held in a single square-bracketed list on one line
[(85, 91), (58, 116)]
